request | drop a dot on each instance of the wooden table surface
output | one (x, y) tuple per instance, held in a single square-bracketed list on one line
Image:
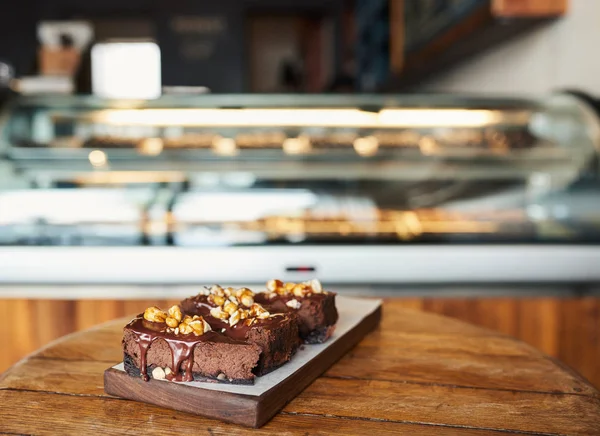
[(418, 374)]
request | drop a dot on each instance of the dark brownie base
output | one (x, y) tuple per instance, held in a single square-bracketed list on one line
[(134, 371), (278, 345), (258, 371), (320, 335)]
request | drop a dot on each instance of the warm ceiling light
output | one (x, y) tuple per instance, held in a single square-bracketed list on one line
[(224, 146), (437, 118), (98, 158), (366, 146), (122, 177), (151, 146), (236, 117), (310, 117), (298, 145)]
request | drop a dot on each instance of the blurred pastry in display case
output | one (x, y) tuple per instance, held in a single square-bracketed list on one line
[(335, 175)]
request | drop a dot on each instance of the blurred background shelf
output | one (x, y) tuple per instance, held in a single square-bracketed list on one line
[(322, 46)]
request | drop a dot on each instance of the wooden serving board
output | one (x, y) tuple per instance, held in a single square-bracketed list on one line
[(254, 406)]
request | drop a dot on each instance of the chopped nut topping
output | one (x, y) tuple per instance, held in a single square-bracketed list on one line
[(175, 312), (235, 305), (197, 327), (200, 326), (316, 286), (217, 312), (300, 290), (244, 291), (187, 325), (230, 307), (274, 285), (294, 304), (277, 287), (234, 318), (158, 373), (247, 300), (216, 299), (185, 329), (172, 322), (217, 290), (256, 310), (154, 314)]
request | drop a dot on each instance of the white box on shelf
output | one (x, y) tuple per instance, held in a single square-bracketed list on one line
[(126, 70)]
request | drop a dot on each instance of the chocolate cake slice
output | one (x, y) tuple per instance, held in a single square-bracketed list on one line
[(235, 314), (315, 308), (183, 348)]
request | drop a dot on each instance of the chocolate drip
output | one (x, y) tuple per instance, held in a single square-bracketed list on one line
[(183, 360), (144, 340)]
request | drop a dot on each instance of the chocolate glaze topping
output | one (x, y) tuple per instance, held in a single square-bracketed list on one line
[(201, 306)]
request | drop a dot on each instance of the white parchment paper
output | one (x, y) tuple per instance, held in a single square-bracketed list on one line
[(351, 312)]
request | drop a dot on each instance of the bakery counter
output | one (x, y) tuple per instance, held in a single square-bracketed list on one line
[(561, 321), (428, 263)]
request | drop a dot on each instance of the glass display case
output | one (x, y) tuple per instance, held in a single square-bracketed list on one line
[(334, 184)]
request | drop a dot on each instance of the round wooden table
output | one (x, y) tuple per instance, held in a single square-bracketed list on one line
[(418, 374)]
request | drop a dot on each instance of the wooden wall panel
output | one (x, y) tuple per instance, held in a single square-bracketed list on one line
[(568, 329), (529, 8), (579, 327), (537, 324)]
